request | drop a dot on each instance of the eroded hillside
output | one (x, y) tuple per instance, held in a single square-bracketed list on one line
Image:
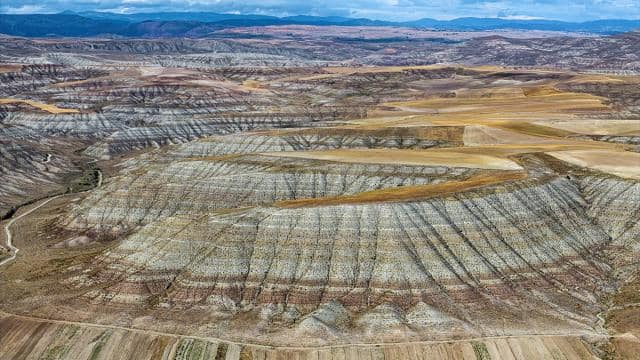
[(304, 210)]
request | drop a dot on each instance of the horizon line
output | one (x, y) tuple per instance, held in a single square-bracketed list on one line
[(508, 18)]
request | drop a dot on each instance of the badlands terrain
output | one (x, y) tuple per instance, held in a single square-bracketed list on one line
[(271, 193)]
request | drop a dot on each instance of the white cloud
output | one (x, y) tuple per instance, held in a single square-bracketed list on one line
[(24, 9), (119, 10), (521, 17)]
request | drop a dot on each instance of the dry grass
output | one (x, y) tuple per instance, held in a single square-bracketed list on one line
[(407, 193), (504, 107), (45, 107), (505, 116), (253, 84), (511, 103), (449, 158), (10, 68), (531, 129), (594, 126), (508, 150), (520, 133), (602, 78), (540, 91), (621, 163)]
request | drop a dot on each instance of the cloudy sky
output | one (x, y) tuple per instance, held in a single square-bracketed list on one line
[(570, 10)]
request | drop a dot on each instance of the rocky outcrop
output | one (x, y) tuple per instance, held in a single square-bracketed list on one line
[(614, 205), (326, 321)]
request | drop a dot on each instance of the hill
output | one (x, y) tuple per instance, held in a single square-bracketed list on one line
[(193, 23)]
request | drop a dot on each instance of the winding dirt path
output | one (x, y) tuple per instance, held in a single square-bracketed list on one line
[(7, 229), (99, 180)]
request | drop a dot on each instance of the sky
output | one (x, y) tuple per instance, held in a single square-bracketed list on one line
[(394, 10)]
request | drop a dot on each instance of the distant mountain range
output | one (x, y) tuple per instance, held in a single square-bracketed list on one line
[(197, 24)]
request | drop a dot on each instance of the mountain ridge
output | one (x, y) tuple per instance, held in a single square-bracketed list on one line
[(92, 23)]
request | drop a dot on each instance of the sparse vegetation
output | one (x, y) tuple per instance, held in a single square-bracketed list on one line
[(480, 349), (87, 180)]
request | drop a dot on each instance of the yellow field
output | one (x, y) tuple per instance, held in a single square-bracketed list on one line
[(507, 115), (449, 158), (507, 150), (595, 126), (510, 133), (497, 123), (620, 163), (484, 108), (9, 68), (407, 193), (46, 107)]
